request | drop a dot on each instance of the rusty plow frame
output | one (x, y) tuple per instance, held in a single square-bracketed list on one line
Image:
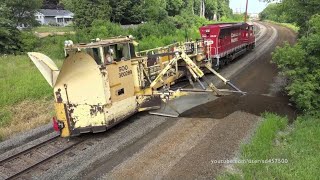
[(197, 74)]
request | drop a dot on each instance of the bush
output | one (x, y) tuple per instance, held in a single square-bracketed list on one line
[(301, 63), (29, 40), (53, 46), (51, 23), (9, 37), (275, 12), (103, 29)]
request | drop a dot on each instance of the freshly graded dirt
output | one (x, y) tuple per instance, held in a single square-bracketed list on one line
[(251, 103)]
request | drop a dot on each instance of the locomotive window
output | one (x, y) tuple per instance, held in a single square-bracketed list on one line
[(126, 51), (132, 51)]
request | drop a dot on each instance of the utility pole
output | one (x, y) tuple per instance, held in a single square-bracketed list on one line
[(246, 14)]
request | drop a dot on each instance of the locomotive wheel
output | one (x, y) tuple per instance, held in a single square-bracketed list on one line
[(216, 67), (223, 63)]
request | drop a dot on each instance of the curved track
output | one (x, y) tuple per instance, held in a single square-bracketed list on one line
[(94, 155)]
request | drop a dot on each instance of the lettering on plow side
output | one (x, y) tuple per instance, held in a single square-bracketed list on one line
[(124, 74), (123, 71)]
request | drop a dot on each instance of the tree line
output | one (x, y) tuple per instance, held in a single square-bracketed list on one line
[(292, 11), (107, 15), (137, 11)]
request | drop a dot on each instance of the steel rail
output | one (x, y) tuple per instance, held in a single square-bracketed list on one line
[(14, 172)]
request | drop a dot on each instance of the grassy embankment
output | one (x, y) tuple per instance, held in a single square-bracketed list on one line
[(26, 97), (23, 93), (275, 139), (288, 25)]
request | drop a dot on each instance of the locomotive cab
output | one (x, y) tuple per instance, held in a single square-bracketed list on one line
[(227, 41)]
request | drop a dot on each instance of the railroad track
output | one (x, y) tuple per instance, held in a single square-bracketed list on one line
[(17, 164)]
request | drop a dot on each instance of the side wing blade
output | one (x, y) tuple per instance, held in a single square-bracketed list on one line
[(46, 66)]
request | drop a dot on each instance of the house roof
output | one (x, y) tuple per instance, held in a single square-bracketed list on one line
[(55, 12)]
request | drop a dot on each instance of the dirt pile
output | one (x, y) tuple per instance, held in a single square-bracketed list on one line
[(254, 104)]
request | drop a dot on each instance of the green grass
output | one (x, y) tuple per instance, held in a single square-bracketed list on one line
[(288, 25), (42, 29), (20, 80), (5, 117), (298, 143)]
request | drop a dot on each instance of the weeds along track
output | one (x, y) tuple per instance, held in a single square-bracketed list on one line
[(24, 161)]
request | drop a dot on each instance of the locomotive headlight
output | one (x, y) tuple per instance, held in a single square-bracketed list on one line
[(207, 30)]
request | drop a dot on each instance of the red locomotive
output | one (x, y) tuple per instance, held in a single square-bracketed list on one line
[(226, 41)]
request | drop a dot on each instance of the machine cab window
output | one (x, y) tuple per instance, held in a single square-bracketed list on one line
[(96, 54), (116, 52), (104, 52)]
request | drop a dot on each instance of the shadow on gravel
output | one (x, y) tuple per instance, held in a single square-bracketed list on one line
[(254, 104)]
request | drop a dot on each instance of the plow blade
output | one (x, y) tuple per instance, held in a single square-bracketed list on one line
[(166, 110)]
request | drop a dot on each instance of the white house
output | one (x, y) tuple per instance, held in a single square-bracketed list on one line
[(54, 16)]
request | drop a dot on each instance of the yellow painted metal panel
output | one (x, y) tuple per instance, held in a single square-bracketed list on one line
[(61, 116), (81, 82), (121, 80)]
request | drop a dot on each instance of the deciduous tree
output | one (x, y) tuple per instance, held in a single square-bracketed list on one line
[(22, 12)]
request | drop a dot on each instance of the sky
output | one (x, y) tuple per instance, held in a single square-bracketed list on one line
[(255, 6)]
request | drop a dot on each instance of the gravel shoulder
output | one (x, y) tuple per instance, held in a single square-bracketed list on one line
[(187, 149)]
